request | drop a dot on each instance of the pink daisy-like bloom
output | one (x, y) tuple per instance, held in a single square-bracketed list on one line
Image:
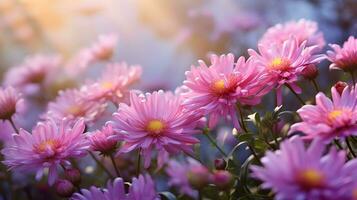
[(216, 89), (103, 140), (72, 104), (344, 58), (103, 49), (114, 83), (302, 30), (329, 119), (285, 62), (10, 103), (49, 146), (305, 173), (35, 71), (142, 188), (155, 121), (179, 175)]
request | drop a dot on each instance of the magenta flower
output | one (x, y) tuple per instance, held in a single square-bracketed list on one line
[(155, 121), (72, 104), (178, 176), (344, 58), (10, 103), (35, 71), (302, 30), (294, 172), (285, 62), (114, 83), (329, 118), (49, 146), (216, 89), (103, 140), (142, 188)]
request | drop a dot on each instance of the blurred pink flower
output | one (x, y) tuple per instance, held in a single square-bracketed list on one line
[(103, 49), (155, 121), (294, 172), (35, 72), (142, 188), (10, 103), (102, 140), (302, 30), (216, 89), (329, 119), (49, 146), (114, 83), (285, 62), (72, 104), (344, 58)]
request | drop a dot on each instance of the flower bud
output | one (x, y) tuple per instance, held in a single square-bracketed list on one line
[(310, 72), (223, 179), (340, 86), (64, 188), (73, 175), (198, 177), (220, 164)]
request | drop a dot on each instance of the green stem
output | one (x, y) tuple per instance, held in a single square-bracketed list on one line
[(114, 165), (242, 119), (296, 95), (353, 78), (13, 125), (254, 153), (350, 148), (315, 85), (340, 147), (206, 133), (100, 164), (138, 163)]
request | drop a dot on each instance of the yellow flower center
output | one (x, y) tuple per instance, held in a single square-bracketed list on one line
[(47, 144), (155, 126), (107, 85), (74, 110), (280, 64), (335, 114), (310, 178), (219, 86)]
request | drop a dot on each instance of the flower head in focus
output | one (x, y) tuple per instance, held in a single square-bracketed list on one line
[(216, 89), (49, 146), (142, 188), (36, 71), (103, 140), (344, 57), (72, 104), (155, 121), (305, 173), (329, 119), (285, 62), (114, 83), (302, 30)]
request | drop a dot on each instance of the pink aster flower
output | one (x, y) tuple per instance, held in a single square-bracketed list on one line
[(35, 71), (102, 140), (302, 30), (305, 173), (72, 104), (10, 103), (155, 121), (285, 62), (216, 89), (103, 49), (114, 83), (344, 58), (49, 146), (179, 175), (329, 118), (142, 188)]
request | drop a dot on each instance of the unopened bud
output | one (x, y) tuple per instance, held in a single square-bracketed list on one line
[(220, 164), (223, 179), (310, 72), (73, 175), (340, 86), (64, 188), (198, 177)]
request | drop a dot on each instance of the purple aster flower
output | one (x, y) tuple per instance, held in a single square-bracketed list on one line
[(344, 58)]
